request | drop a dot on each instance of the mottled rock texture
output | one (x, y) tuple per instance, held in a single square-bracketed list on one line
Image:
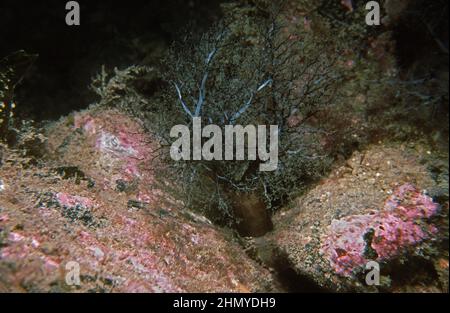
[(107, 215), (374, 207)]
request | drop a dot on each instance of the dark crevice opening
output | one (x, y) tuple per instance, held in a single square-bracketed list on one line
[(290, 280)]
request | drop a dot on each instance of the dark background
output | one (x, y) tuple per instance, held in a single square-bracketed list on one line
[(123, 33), (112, 33)]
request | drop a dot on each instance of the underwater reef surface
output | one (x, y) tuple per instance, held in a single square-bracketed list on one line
[(373, 207), (94, 203), (93, 199), (88, 187), (380, 235)]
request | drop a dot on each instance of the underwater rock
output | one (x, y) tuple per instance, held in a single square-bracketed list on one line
[(369, 209), (353, 241), (148, 246)]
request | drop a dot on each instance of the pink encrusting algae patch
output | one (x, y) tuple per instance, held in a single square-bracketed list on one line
[(69, 201), (122, 140), (354, 240)]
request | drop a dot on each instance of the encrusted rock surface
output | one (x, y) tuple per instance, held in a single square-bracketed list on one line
[(95, 203), (374, 207)]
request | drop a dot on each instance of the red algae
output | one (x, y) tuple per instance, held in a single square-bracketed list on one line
[(354, 240), (67, 200)]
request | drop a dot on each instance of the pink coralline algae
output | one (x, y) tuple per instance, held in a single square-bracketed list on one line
[(119, 139), (69, 201), (353, 241)]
